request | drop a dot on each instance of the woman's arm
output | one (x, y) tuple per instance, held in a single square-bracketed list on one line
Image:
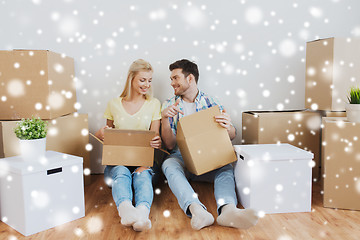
[(100, 133), (156, 141)]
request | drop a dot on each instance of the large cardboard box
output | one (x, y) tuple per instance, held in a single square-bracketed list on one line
[(128, 147), (273, 178), (299, 128), (341, 161), (203, 143), (67, 134), (331, 69), (36, 82), (37, 196)]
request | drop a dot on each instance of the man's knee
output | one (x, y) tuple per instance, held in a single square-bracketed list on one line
[(171, 164)]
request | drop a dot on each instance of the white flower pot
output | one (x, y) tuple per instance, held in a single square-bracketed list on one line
[(353, 112), (33, 150)]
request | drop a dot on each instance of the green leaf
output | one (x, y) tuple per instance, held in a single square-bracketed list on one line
[(354, 95), (31, 128)]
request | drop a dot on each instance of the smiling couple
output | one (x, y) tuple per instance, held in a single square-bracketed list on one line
[(136, 109)]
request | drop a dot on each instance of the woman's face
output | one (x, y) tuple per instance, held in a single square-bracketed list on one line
[(142, 82)]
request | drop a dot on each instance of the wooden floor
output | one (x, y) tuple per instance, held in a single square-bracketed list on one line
[(102, 220)]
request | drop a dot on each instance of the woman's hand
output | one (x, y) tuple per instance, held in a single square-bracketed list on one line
[(100, 133), (156, 142)]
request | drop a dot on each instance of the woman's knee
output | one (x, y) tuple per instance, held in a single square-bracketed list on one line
[(119, 171)]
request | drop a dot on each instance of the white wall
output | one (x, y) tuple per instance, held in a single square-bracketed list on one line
[(251, 53)]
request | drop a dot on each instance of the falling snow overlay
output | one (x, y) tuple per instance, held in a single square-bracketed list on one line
[(251, 55)]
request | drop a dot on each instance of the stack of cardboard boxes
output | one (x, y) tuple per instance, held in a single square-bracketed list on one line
[(41, 83), (331, 69), (300, 128), (330, 72)]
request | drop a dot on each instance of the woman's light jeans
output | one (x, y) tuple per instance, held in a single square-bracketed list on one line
[(123, 181)]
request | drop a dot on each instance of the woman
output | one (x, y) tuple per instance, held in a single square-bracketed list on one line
[(135, 109)]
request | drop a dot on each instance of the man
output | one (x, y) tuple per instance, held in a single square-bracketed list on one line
[(187, 100)]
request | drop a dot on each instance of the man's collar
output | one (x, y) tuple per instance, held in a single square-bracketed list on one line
[(197, 98)]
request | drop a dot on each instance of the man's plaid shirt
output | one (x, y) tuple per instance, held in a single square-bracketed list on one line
[(202, 101)]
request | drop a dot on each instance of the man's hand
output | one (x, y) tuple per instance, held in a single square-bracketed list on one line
[(172, 110), (224, 120)]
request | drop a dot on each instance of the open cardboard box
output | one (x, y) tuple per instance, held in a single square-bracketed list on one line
[(128, 147), (203, 143)]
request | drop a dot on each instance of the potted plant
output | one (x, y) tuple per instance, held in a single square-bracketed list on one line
[(32, 136), (353, 107)]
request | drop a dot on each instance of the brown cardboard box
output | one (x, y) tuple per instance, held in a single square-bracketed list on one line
[(330, 72), (128, 147), (341, 161), (66, 134), (36, 82), (203, 143), (298, 128)]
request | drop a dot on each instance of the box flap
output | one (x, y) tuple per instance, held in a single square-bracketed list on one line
[(320, 39), (285, 111), (200, 122), (52, 160), (339, 120), (272, 152), (128, 137)]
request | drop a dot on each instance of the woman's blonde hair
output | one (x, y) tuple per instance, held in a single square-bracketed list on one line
[(137, 66)]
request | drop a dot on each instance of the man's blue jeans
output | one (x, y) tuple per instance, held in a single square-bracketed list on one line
[(177, 177), (123, 180)]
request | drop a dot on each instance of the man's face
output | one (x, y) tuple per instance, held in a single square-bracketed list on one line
[(179, 82)]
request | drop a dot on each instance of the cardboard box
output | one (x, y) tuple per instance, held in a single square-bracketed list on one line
[(273, 178), (128, 147), (43, 195), (203, 143), (331, 69), (36, 82), (298, 128), (67, 134), (341, 161)]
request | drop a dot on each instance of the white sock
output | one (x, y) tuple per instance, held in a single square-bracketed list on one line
[(143, 223), (231, 216), (128, 213), (200, 217)]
